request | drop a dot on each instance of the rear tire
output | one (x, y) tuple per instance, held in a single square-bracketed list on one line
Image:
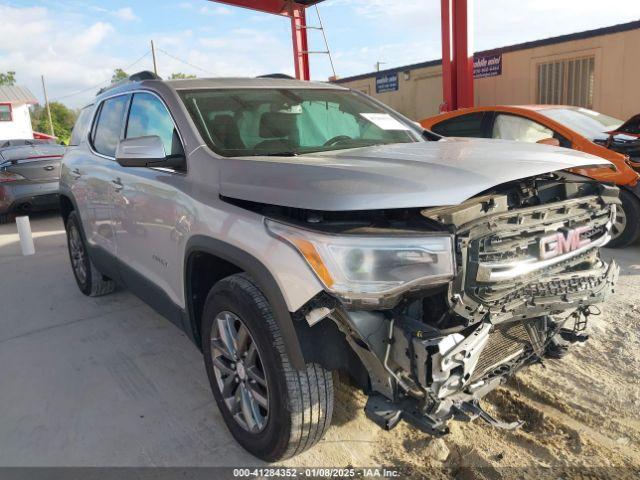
[(627, 225), (89, 279), (299, 403)]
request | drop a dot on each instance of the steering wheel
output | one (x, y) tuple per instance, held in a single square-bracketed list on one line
[(336, 139)]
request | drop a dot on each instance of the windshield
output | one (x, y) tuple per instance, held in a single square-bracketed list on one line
[(587, 123), (244, 122)]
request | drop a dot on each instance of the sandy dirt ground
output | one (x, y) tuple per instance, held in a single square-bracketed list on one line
[(581, 413)]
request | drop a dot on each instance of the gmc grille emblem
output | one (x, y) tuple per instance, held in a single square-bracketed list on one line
[(559, 243)]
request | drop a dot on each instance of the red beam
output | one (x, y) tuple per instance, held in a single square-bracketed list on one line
[(300, 42), (448, 74), (463, 54), (457, 54), (276, 7)]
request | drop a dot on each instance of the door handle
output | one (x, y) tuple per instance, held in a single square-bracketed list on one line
[(117, 184), (48, 168)]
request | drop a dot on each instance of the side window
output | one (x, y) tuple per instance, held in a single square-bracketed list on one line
[(520, 129), (149, 116), (109, 126), (80, 128), (469, 125)]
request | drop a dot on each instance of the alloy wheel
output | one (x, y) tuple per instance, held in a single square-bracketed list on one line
[(240, 376), (78, 254)]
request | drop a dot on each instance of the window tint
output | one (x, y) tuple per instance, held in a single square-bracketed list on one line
[(109, 127), (149, 116), (469, 125), (520, 129), (80, 128)]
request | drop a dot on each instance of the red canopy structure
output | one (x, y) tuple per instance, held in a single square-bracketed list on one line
[(294, 10), (457, 52)]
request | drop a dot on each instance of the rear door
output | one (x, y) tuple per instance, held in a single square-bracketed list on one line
[(97, 176)]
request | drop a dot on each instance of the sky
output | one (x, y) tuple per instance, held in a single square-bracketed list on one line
[(76, 44)]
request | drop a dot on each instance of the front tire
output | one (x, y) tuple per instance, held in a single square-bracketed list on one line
[(89, 279), (273, 410), (626, 227)]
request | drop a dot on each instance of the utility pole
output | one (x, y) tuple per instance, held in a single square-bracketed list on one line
[(378, 65), (46, 103), (153, 54)]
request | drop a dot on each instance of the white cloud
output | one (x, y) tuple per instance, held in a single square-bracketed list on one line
[(125, 14)]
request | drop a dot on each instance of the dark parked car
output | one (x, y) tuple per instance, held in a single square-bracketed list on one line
[(29, 176)]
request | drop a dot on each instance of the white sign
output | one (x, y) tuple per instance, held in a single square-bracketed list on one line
[(385, 121)]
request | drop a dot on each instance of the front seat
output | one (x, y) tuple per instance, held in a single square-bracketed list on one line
[(225, 132), (280, 131)]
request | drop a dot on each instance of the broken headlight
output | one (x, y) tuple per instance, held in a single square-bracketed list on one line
[(371, 269)]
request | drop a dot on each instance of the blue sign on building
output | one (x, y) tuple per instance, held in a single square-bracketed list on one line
[(387, 83), (487, 66)]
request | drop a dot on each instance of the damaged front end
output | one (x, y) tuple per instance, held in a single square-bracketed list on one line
[(526, 271)]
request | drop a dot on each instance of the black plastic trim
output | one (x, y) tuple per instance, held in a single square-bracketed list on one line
[(264, 279)]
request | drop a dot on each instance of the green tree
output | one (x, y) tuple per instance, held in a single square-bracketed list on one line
[(7, 79), (119, 74), (62, 118), (180, 76)]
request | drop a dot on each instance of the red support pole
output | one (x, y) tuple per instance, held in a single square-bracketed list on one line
[(300, 42), (463, 53), (457, 54), (448, 74)]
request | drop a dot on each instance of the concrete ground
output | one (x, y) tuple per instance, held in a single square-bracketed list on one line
[(108, 382), (95, 381)]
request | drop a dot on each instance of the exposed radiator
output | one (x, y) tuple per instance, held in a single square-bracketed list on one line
[(507, 340)]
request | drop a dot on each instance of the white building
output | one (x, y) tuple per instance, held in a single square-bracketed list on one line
[(15, 121)]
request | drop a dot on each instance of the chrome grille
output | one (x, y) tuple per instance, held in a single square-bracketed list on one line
[(505, 274)]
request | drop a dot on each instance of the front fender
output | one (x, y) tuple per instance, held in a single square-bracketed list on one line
[(265, 281)]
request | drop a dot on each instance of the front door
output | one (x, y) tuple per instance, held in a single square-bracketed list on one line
[(150, 219)]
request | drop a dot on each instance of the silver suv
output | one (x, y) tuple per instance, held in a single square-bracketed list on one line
[(298, 230)]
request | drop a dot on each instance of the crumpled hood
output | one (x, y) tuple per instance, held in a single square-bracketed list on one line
[(424, 174)]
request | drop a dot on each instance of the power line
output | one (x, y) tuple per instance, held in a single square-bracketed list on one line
[(184, 61), (93, 87)]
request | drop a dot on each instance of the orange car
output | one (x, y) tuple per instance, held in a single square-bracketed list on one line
[(572, 127)]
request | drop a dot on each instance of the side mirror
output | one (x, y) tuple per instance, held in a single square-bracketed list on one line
[(146, 152), (549, 141)]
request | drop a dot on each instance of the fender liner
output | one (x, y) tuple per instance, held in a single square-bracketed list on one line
[(263, 278)]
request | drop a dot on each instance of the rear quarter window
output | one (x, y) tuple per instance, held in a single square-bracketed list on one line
[(81, 126)]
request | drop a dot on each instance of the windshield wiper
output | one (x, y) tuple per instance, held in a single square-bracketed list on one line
[(276, 154)]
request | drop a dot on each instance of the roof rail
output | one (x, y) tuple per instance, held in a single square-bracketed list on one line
[(136, 77), (276, 75)]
